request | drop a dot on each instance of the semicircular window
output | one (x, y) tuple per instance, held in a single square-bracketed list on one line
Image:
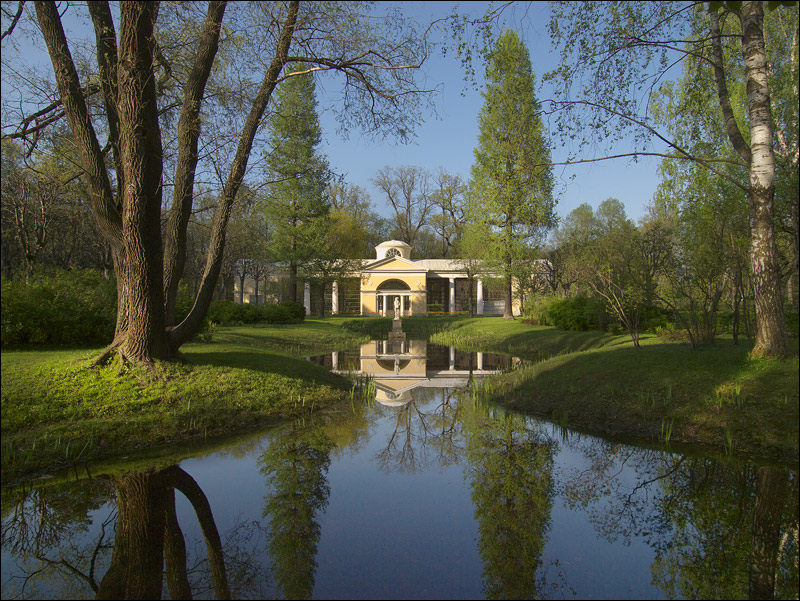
[(392, 252), (394, 285), (388, 364)]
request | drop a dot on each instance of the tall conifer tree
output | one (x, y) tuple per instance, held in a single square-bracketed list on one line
[(512, 182), (297, 202)]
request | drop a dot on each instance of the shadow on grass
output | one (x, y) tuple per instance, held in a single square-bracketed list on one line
[(717, 396), (266, 362)]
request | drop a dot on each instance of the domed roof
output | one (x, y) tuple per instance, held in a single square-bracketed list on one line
[(392, 248)]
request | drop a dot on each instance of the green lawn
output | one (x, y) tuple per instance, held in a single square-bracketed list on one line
[(717, 397), (56, 410)]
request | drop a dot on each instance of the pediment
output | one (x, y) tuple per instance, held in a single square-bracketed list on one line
[(394, 264)]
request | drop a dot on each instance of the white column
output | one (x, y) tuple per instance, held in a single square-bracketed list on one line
[(452, 365), (452, 295), (480, 297), (480, 361), (360, 303), (307, 297), (335, 361), (335, 298)]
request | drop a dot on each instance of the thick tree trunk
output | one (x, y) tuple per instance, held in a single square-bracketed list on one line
[(148, 534), (771, 335), (137, 559), (141, 154)]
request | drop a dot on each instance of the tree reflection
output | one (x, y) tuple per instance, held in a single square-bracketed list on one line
[(296, 466), (510, 468), (718, 530), (420, 437), (148, 542)]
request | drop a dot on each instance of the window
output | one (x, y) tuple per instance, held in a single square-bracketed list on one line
[(392, 252), (394, 285)]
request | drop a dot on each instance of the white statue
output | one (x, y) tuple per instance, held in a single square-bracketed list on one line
[(397, 307)]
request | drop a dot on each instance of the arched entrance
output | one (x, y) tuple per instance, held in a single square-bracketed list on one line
[(388, 291)]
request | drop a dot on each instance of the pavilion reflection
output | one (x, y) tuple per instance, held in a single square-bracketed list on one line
[(400, 368)]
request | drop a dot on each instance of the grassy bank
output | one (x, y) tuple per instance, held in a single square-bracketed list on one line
[(716, 397), (56, 410)]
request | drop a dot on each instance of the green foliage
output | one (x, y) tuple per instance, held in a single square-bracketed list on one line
[(59, 307), (225, 312), (297, 205), (296, 466), (579, 313), (511, 189)]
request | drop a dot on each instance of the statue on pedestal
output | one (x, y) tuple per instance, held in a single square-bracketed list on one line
[(397, 307)]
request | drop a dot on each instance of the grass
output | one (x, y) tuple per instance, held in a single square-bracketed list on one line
[(57, 411), (717, 397)]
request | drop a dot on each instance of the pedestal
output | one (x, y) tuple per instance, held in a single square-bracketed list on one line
[(397, 334)]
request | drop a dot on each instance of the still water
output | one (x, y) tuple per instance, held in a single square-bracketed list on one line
[(416, 491)]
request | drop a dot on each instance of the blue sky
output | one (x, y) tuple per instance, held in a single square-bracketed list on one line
[(449, 141)]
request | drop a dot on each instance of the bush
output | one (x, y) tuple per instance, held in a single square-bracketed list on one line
[(534, 311), (226, 313), (654, 319), (59, 307), (577, 313)]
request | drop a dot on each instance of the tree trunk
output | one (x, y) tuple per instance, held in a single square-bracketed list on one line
[(175, 552), (140, 151), (771, 335), (766, 532), (293, 281), (137, 559), (188, 134), (190, 325)]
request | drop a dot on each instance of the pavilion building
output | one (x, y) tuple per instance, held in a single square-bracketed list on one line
[(423, 286)]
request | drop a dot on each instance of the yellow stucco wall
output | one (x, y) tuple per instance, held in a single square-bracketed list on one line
[(393, 270)]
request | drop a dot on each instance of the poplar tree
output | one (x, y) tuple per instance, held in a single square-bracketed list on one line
[(298, 202), (512, 182)]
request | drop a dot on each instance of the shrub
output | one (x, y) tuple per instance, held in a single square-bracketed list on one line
[(226, 313), (59, 307), (534, 311), (654, 319), (577, 313)]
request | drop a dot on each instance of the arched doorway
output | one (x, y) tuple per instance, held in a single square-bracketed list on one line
[(388, 291)]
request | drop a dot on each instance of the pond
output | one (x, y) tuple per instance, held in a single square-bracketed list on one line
[(414, 490)]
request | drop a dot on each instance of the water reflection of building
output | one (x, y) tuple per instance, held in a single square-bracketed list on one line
[(400, 367)]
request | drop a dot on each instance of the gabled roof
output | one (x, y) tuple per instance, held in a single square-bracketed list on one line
[(407, 264)]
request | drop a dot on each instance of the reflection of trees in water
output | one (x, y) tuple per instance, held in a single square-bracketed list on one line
[(510, 469), (718, 530), (148, 545), (296, 466), (39, 518), (420, 437)]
